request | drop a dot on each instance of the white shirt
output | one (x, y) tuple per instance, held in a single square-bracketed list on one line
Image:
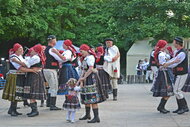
[(32, 61), (181, 56), (55, 55), (90, 60), (19, 58), (110, 53)]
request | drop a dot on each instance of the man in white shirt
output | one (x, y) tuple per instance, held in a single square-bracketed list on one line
[(181, 73), (50, 72), (112, 64)]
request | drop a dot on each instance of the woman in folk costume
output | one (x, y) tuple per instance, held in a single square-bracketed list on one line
[(163, 86), (13, 90), (104, 76), (67, 70), (112, 64), (91, 93), (34, 88)]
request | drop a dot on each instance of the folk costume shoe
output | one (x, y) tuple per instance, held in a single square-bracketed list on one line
[(96, 118), (161, 107), (87, 115)]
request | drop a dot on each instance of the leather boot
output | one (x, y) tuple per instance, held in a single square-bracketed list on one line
[(96, 118), (52, 104), (42, 103), (177, 105), (31, 108), (87, 115), (34, 110), (183, 106), (11, 108), (48, 100), (114, 94), (161, 107)]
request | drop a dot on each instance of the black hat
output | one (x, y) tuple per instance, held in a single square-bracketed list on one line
[(100, 44), (108, 39), (50, 37), (178, 39)]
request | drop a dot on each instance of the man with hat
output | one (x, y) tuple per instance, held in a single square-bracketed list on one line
[(112, 64), (181, 72), (50, 71)]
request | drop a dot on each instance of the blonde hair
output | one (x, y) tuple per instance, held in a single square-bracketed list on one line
[(72, 82)]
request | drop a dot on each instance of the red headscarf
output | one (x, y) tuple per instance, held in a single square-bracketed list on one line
[(29, 51), (99, 53), (85, 47), (161, 44), (40, 51), (170, 50), (69, 44), (16, 46)]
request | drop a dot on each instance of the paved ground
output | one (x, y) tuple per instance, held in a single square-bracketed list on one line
[(135, 108)]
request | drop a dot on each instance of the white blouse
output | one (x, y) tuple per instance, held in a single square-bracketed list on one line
[(162, 58), (32, 61), (19, 58), (90, 60)]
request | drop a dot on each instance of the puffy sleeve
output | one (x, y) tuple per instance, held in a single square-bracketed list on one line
[(16, 65), (67, 54), (55, 56), (90, 60), (32, 61), (162, 58)]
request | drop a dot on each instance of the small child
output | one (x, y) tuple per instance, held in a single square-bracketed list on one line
[(72, 103)]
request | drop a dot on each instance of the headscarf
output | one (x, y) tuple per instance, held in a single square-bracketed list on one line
[(39, 50), (99, 53), (171, 53), (69, 44), (161, 44), (16, 46), (85, 47), (29, 51)]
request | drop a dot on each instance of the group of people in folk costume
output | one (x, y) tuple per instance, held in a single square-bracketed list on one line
[(100, 69), (171, 72)]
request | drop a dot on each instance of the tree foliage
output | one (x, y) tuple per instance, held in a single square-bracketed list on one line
[(90, 21)]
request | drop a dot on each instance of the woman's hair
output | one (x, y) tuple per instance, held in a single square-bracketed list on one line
[(72, 82)]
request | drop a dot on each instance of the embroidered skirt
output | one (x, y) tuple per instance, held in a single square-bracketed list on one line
[(92, 91), (35, 86), (14, 87), (71, 103), (163, 86), (65, 73)]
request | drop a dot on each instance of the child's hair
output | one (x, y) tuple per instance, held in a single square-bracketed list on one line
[(72, 82)]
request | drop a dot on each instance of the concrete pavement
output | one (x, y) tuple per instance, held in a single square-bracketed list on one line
[(135, 108)]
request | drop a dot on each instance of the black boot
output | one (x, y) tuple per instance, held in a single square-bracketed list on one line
[(25, 103), (176, 111), (183, 106), (34, 110), (42, 103), (13, 109), (114, 94), (48, 100), (31, 108), (161, 106), (87, 115), (52, 104), (96, 118)]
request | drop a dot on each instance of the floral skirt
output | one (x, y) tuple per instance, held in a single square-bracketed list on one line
[(92, 92), (71, 103)]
